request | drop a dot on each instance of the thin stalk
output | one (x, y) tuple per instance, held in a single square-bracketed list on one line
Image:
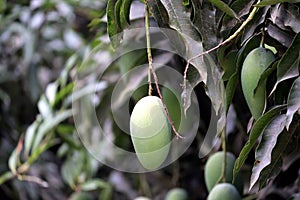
[(151, 68)]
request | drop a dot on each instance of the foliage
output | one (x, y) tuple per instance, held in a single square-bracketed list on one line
[(46, 45)]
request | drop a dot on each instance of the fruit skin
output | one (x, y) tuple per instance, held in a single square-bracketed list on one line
[(177, 194), (150, 132), (255, 63), (173, 106), (224, 191), (213, 171)]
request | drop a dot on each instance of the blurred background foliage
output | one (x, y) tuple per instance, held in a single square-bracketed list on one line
[(44, 44)]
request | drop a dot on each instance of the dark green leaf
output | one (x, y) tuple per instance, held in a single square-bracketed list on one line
[(273, 2), (283, 142), (204, 20), (293, 103), (125, 12), (113, 28), (2, 5), (288, 65), (179, 18), (264, 150), (229, 65), (230, 88), (159, 12), (256, 131), (225, 8)]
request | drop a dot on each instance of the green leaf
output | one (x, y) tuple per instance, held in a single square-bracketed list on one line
[(264, 150), (30, 135), (44, 107), (273, 2), (289, 63), (124, 13), (293, 103), (48, 124), (283, 142), (94, 185), (230, 88), (204, 20), (256, 131), (72, 167), (113, 28), (225, 8), (2, 5), (13, 161), (179, 19), (159, 12)]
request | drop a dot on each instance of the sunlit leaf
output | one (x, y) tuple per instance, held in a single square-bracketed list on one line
[(265, 148), (50, 124), (293, 101), (256, 131), (125, 12)]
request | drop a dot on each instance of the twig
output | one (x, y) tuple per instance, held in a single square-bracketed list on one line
[(150, 60), (229, 39), (33, 179), (151, 68)]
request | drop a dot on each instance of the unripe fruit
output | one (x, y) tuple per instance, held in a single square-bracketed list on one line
[(213, 171), (177, 194), (224, 191), (150, 132), (254, 65), (173, 106), (142, 198)]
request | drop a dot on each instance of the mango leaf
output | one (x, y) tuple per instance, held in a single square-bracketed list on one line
[(204, 20), (159, 12), (94, 185), (179, 18), (225, 8), (230, 88), (264, 150), (273, 2), (293, 103), (124, 13), (49, 124), (286, 17), (287, 66), (256, 131), (113, 28), (13, 161), (283, 142), (30, 135)]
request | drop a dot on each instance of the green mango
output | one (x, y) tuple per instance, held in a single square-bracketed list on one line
[(177, 194), (150, 132), (255, 63), (213, 171), (224, 191), (173, 106)]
